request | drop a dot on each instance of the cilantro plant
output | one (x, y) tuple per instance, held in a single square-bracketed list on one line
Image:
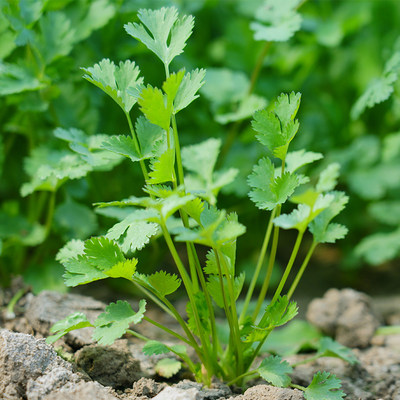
[(180, 203)]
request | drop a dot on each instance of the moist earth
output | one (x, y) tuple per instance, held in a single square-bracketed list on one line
[(33, 370)]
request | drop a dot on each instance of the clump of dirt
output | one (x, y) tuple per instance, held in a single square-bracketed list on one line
[(30, 369)]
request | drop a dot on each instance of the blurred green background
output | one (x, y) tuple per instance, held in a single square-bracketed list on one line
[(343, 56)]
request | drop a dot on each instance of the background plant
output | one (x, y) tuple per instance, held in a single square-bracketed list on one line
[(211, 283), (321, 52)]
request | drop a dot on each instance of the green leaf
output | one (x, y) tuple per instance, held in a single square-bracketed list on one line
[(201, 158), (194, 208), (330, 348), (278, 22), (115, 80), (79, 271), (321, 227), (123, 145), (214, 287), (277, 127), (17, 79), (168, 367), (73, 322), (275, 371), (297, 219), (154, 347), (387, 212), (115, 321), (153, 106), (103, 252), (164, 283), (171, 87), (328, 178), (324, 386), (152, 138), (379, 247), (267, 190), (163, 168), (55, 43), (74, 220), (278, 313), (204, 314), (187, 92), (162, 32), (124, 269), (298, 335), (297, 159)]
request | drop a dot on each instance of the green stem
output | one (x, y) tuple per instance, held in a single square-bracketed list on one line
[(302, 388), (235, 322), (271, 262), (288, 266), (259, 265), (248, 373), (258, 66), (165, 329), (14, 301), (189, 289), (50, 213), (388, 330), (301, 270), (137, 146)]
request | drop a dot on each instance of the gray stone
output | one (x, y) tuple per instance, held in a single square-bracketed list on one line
[(346, 315), (216, 392), (82, 391), (110, 365), (50, 382), (266, 392), (146, 387), (175, 393), (22, 357), (48, 307)]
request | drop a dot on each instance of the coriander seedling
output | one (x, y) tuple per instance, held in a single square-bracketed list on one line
[(193, 197)]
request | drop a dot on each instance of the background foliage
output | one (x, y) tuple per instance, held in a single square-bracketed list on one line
[(343, 56)]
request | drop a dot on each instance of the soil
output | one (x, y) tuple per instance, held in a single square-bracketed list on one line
[(30, 369)]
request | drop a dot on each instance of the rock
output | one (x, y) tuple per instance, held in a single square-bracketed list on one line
[(346, 315), (110, 365), (266, 392), (48, 307), (22, 357), (175, 393), (50, 382), (82, 391), (146, 387), (218, 391)]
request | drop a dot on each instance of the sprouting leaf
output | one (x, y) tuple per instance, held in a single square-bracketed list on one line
[(17, 79), (204, 314), (115, 80), (162, 32), (171, 87), (267, 190), (79, 271), (154, 347), (163, 168), (73, 322), (168, 367), (328, 178), (187, 92), (276, 128), (71, 249), (277, 21), (115, 321), (214, 287), (330, 348), (275, 370), (103, 252), (278, 313), (123, 269), (379, 247), (324, 386), (297, 159), (321, 227), (164, 283)]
